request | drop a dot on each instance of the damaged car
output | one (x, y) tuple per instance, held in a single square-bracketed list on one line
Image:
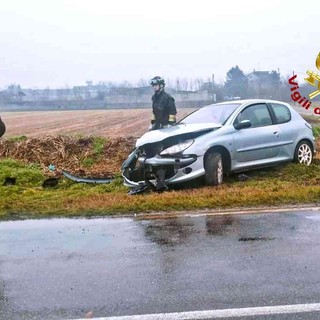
[(217, 140)]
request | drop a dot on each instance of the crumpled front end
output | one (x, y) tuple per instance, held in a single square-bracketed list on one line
[(140, 170), (160, 164)]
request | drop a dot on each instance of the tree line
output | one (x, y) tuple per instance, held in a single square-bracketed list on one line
[(257, 84)]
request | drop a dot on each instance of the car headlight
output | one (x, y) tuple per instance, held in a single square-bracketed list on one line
[(178, 148)]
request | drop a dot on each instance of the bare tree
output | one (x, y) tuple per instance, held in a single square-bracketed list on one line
[(198, 83), (143, 83), (125, 84)]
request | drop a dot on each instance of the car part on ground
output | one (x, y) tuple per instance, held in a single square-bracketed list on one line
[(85, 180), (9, 181), (243, 177), (50, 182)]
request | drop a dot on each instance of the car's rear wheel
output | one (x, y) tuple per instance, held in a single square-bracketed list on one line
[(213, 169), (303, 153)]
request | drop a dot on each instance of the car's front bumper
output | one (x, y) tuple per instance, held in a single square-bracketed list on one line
[(185, 168), (158, 161)]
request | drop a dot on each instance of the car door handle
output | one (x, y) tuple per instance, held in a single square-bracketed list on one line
[(275, 132)]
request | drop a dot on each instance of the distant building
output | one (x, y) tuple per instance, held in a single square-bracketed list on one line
[(103, 93), (262, 79)]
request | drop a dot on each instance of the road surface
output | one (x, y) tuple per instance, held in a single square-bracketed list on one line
[(73, 269)]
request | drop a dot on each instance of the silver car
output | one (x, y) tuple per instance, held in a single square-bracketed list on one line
[(218, 139)]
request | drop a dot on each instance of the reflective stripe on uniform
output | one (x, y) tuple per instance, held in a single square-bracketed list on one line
[(172, 117)]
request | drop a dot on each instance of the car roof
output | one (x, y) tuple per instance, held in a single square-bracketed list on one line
[(247, 101)]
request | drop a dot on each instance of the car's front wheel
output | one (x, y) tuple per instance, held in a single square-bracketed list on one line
[(303, 153), (213, 166)]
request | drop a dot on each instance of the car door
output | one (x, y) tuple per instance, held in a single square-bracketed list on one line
[(261, 141)]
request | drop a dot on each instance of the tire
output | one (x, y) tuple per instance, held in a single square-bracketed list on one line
[(303, 153), (213, 167)]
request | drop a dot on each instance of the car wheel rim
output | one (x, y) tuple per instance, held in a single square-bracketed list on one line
[(304, 154), (220, 171)]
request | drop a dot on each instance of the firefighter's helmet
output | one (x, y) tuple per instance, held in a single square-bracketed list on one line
[(157, 80)]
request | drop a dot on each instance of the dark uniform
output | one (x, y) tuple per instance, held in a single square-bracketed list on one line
[(2, 128), (164, 110)]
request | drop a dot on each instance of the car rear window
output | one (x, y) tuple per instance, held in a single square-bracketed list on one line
[(281, 112)]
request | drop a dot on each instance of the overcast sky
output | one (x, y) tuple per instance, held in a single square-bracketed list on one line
[(67, 42)]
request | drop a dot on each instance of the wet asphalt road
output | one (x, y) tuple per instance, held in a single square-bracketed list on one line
[(58, 269)]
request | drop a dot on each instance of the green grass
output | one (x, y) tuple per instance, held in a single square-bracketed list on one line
[(282, 185), (88, 162), (17, 138), (98, 145), (26, 175), (316, 131)]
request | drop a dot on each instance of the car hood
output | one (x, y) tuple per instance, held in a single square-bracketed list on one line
[(161, 134)]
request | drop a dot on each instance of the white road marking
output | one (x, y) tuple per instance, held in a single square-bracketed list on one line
[(223, 313), (220, 212)]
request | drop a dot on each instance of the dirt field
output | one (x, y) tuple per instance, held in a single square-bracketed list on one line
[(107, 123)]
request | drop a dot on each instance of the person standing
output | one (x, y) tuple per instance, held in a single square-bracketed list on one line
[(163, 106)]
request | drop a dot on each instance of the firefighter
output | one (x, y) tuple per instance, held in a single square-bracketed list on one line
[(163, 106)]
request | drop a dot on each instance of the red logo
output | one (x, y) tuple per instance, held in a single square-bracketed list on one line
[(313, 79)]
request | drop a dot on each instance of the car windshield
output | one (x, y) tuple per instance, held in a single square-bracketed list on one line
[(216, 113)]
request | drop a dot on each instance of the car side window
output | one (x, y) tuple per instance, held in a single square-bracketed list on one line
[(258, 114), (281, 112)]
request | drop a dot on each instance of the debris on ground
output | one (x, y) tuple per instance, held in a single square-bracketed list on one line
[(50, 182), (243, 177), (85, 179), (76, 155), (9, 181)]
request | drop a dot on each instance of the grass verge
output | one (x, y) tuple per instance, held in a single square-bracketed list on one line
[(287, 184)]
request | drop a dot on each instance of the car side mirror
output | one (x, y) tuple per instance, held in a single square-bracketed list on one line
[(243, 124)]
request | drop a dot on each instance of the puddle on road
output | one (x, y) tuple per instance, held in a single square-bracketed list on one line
[(169, 232), (183, 230), (219, 225), (114, 233), (256, 239)]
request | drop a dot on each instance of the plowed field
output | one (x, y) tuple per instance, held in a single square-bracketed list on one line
[(108, 123)]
